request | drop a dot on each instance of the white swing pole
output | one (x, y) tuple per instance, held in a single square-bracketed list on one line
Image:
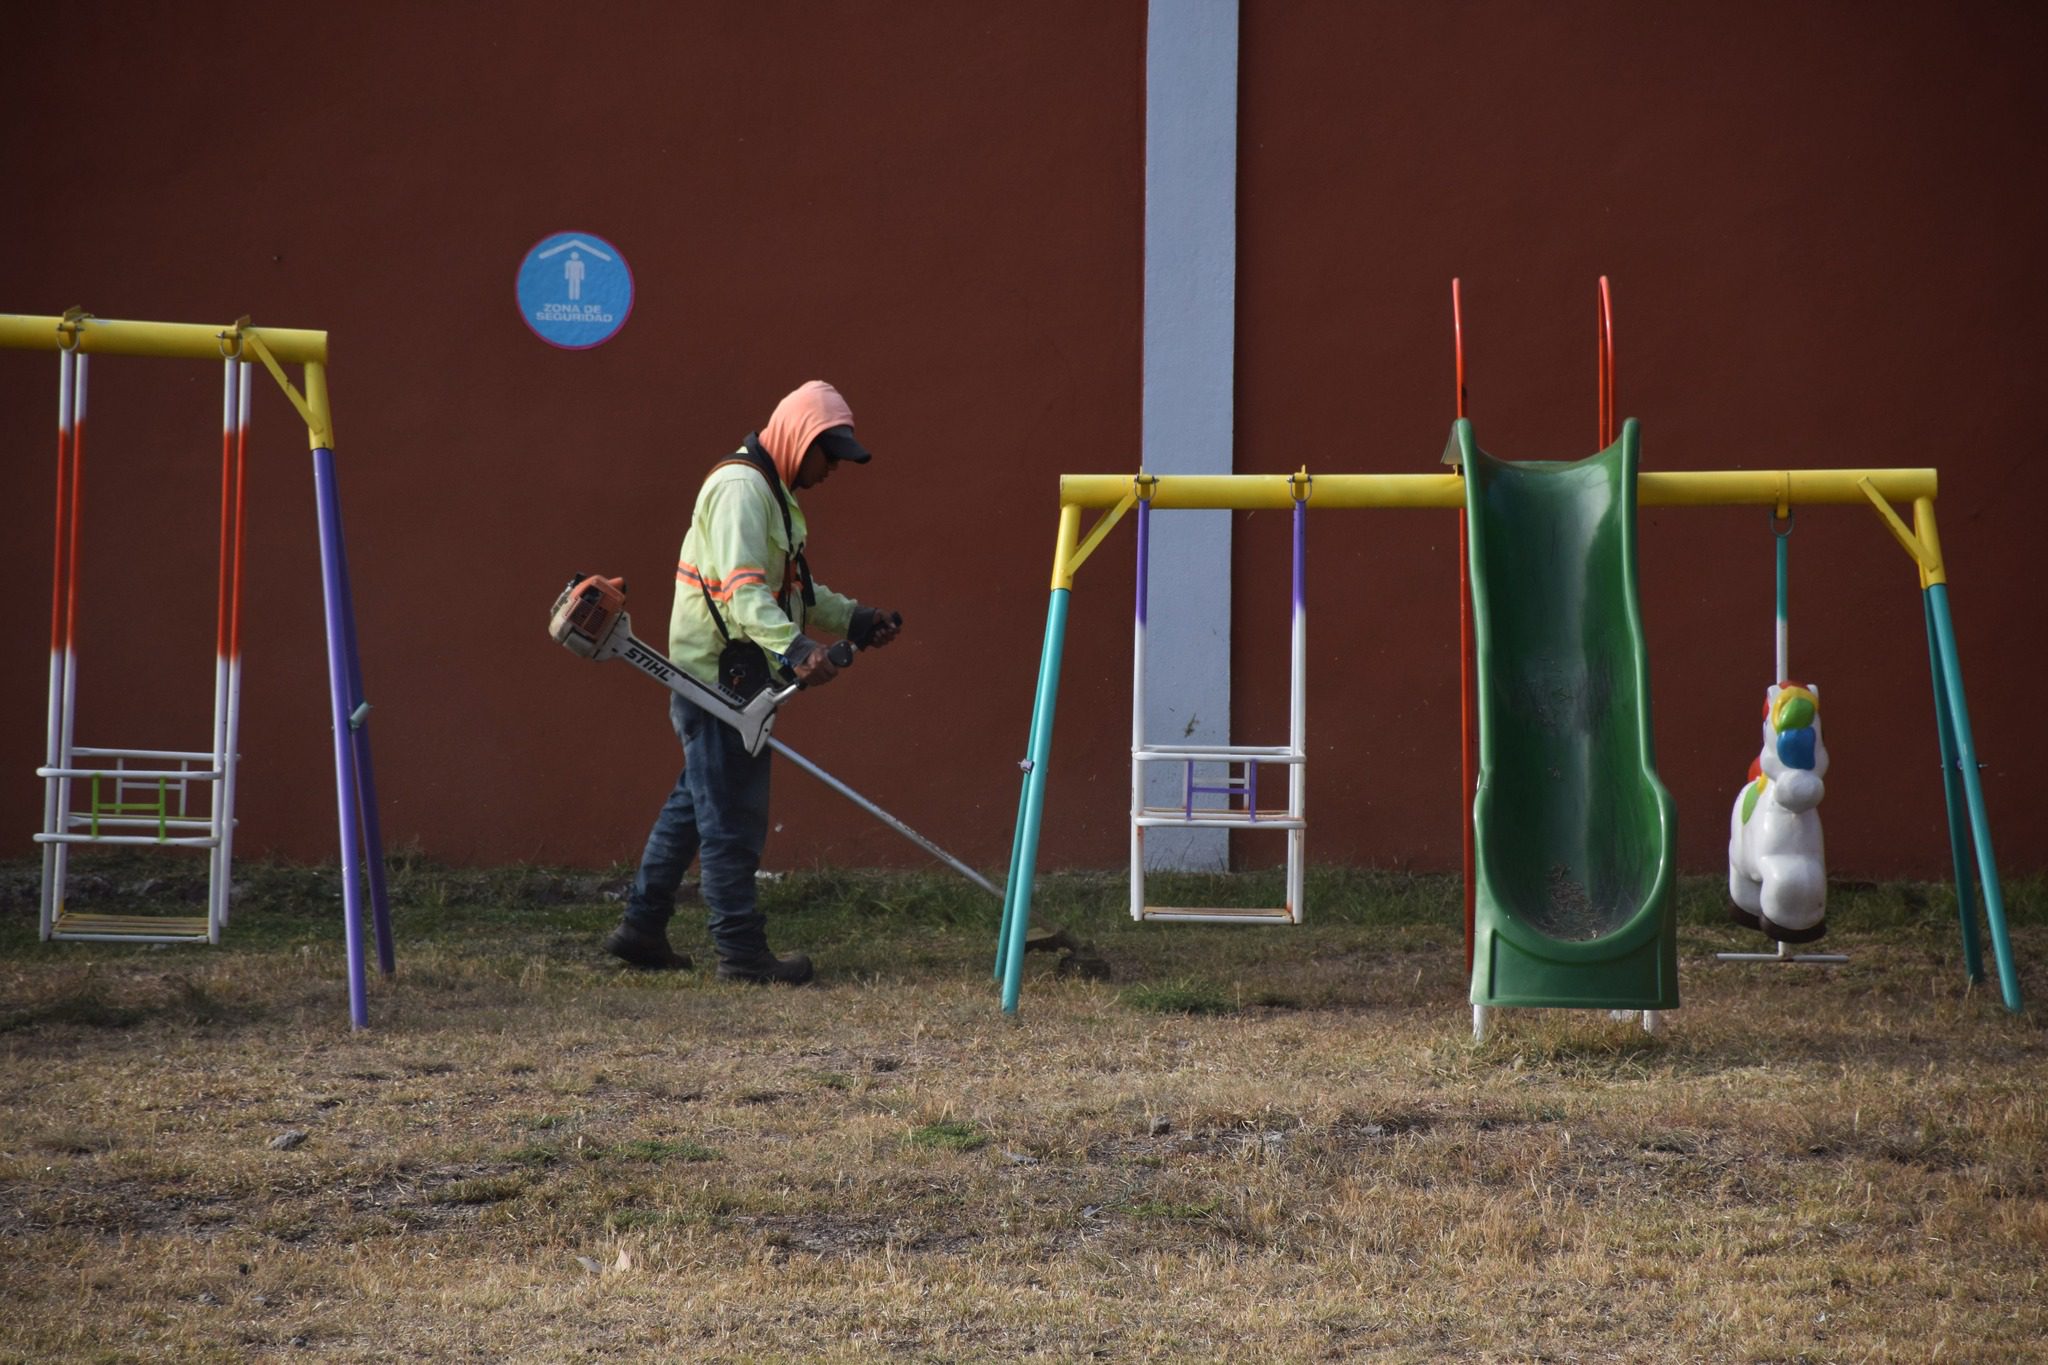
[(1138, 716), (69, 713), (1297, 714), (230, 757), (53, 813), (229, 376)]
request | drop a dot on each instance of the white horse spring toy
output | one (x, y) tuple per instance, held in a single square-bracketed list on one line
[(1776, 873)]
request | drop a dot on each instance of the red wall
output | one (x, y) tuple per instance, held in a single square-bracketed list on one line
[(1825, 243), (1820, 223)]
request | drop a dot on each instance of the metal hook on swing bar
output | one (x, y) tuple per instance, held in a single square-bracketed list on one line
[(1301, 484), (1782, 507), (1786, 519), (233, 334), (70, 327)]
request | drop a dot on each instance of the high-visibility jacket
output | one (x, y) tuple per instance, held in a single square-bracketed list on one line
[(737, 551)]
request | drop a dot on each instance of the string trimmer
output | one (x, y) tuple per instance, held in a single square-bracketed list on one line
[(589, 619)]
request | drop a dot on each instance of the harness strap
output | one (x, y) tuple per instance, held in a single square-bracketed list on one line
[(712, 607), (756, 458)]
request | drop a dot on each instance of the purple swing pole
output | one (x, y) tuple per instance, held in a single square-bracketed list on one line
[(334, 594), (359, 734)]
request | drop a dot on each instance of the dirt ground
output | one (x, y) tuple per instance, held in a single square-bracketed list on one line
[(1195, 1142)]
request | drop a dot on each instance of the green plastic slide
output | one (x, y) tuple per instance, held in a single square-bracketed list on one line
[(1575, 835)]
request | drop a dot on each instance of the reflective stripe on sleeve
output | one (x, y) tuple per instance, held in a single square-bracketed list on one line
[(720, 590)]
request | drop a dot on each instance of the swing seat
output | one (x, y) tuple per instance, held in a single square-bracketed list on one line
[(1219, 914), (91, 927)]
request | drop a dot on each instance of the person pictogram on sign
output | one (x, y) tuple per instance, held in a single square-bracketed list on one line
[(572, 270)]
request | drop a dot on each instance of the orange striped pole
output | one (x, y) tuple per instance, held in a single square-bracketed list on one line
[(52, 814), (1604, 327), (1468, 736)]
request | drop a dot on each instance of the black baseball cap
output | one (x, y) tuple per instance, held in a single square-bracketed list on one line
[(838, 444)]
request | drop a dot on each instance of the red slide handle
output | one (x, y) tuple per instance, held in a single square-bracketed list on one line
[(1606, 363)]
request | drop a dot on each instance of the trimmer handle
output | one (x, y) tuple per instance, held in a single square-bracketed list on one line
[(840, 652), (894, 620)]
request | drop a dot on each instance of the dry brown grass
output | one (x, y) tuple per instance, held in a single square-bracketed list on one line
[(536, 1157)]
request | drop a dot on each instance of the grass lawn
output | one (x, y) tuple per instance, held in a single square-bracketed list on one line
[(1247, 1143)]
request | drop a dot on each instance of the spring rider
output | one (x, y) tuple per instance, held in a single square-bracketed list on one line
[(1776, 873)]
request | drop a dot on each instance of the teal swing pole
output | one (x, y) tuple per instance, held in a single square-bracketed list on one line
[(1973, 790), (1024, 859), (1952, 795), (1959, 757), (1041, 711), (1784, 595), (1016, 838), (1031, 805)]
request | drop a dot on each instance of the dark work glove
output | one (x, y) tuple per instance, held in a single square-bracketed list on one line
[(873, 628), (811, 664)]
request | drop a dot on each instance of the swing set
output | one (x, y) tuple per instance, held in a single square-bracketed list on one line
[(1569, 844), (185, 798)]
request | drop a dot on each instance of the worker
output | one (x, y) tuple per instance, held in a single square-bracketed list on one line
[(744, 601)]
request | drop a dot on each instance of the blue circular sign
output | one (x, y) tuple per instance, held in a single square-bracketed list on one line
[(575, 290)]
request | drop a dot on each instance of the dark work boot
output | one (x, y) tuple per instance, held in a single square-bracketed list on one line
[(638, 946), (765, 969)]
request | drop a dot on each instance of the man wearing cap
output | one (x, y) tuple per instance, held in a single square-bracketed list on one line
[(744, 600)]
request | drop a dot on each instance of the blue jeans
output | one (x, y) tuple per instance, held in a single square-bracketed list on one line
[(718, 814)]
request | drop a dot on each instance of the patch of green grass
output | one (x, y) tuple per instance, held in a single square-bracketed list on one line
[(71, 1141), (489, 1189), (642, 1220), (287, 1225), (866, 921), (174, 998), (1271, 998), (1159, 1208), (536, 1154), (1184, 995), (948, 1135), (83, 1008), (202, 1006), (653, 1149)]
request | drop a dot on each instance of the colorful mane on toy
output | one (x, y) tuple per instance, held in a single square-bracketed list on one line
[(1776, 872)]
